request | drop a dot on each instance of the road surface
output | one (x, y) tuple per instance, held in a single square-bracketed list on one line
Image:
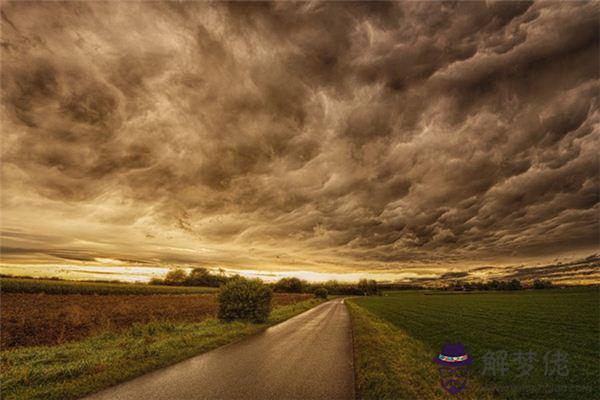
[(306, 357)]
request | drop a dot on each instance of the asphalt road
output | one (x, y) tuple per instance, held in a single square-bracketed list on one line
[(306, 357)]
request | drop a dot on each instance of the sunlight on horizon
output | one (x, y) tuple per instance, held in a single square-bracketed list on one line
[(145, 274)]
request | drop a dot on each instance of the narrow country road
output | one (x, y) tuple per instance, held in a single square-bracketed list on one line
[(306, 357)]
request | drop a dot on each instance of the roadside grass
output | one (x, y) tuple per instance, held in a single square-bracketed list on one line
[(495, 328), (75, 369), (49, 286), (389, 364)]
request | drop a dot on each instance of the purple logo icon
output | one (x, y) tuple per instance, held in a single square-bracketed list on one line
[(453, 362)]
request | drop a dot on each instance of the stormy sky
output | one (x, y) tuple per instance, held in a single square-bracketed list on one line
[(390, 138)]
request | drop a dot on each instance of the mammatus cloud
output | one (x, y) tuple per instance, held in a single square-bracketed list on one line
[(317, 136), (578, 271)]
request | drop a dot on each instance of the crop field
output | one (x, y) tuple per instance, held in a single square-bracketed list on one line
[(525, 344), (48, 319), (50, 286)]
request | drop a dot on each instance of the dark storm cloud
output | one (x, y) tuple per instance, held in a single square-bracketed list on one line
[(369, 135), (454, 275), (587, 266)]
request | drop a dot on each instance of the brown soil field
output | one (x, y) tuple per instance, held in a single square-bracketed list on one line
[(41, 319)]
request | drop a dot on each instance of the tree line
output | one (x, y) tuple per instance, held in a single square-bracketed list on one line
[(203, 277), (196, 277), (513, 284), (365, 287)]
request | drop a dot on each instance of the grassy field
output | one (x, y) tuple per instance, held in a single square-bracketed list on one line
[(50, 286), (397, 335), (72, 370)]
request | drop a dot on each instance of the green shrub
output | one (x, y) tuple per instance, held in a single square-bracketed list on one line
[(320, 293), (245, 299)]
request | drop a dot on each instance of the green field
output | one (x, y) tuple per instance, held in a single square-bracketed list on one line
[(558, 328), (50, 286)]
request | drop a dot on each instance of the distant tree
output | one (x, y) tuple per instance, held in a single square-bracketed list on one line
[(514, 284), (494, 285), (332, 286), (290, 285), (199, 273), (156, 281), (542, 284), (363, 286), (175, 277), (368, 287), (202, 277)]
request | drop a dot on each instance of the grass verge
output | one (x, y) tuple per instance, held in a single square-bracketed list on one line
[(73, 370), (389, 364)]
